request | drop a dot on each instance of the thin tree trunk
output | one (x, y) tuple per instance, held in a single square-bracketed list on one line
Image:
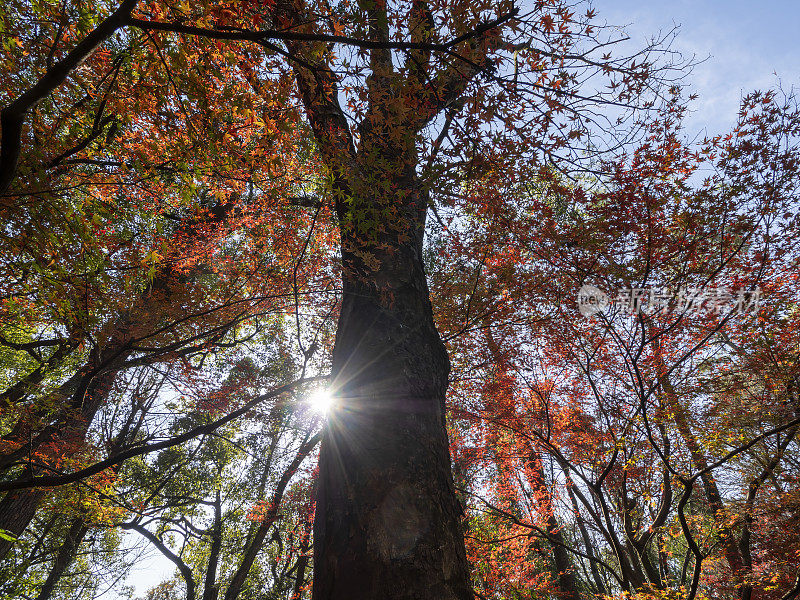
[(66, 553), (587, 541), (712, 493), (302, 562), (210, 587), (563, 569), (79, 527), (257, 541), (88, 389)]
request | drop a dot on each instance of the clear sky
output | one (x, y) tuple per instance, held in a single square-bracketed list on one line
[(746, 43)]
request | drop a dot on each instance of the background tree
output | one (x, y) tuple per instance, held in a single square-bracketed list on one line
[(648, 477), (121, 244)]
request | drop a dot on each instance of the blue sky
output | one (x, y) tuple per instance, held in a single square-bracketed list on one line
[(745, 43)]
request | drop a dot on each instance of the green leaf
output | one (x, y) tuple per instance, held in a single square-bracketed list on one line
[(6, 535)]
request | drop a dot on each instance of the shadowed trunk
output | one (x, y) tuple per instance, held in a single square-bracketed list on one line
[(17, 510), (388, 520)]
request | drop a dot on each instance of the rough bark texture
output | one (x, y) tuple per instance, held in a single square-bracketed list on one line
[(17, 510), (388, 520)]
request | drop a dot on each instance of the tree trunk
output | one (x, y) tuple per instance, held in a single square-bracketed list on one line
[(66, 554), (713, 495), (302, 562), (18, 508), (563, 570), (588, 544), (256, 541), (210, 585), (388, 520)]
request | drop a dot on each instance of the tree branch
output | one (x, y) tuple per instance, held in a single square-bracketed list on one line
[(12, 117), (64, 479)]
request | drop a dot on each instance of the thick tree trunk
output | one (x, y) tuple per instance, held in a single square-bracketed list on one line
[(388, 520), (17, 510), (563, 570)]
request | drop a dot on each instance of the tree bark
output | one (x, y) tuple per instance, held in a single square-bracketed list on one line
[(388, 520), (18, 508)]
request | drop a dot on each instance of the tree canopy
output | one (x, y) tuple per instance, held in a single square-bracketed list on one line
[(557, 330)]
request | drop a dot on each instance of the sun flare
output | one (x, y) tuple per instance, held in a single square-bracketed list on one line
[(321, 401)]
